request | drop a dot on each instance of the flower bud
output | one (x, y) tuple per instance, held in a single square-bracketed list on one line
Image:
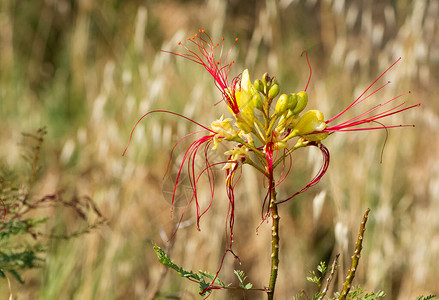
[(292, 101), (289, 113), (302, 101), (266, 80), (310, 122), (281, 104), (259, 86), (274, 91), (257, 101)]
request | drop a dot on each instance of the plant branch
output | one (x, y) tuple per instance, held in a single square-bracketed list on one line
[(274, 242), (355, 259), (329, 279)]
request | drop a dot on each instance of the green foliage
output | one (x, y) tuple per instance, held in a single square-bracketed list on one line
[(22, 231), (323, 269), (242, 277), (13, 261), (199, 277), (15, 227), (429, 297), (302, 294), (358, 293)]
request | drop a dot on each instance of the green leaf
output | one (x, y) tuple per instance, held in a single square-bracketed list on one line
[(429, 297), (15, 227), (165, 260), (322, 268), (358, 293), (242, 277), (204, 285), (206, 274), (212, 277), (17, 276), (317, 296), (314, 278)]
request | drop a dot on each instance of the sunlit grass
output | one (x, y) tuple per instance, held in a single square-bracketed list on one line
[(89, 72)]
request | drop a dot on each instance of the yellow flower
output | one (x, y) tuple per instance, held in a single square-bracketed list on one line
[(223, 130), (310, 126), (244, 98), (236, 155)]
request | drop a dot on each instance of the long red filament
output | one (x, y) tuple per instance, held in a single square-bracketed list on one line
[(163, 111), (218, 68), (319, 175), (310, 69), (365, 91)]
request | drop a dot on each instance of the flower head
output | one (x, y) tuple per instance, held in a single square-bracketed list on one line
[(259, 134), (273, 129)]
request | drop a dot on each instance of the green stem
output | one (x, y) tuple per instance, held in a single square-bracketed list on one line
[(274, 243)]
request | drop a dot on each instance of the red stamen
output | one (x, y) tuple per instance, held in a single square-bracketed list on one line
[(189, 157), (269, 151), (365, 117), (358, 99), (163, 111), (282, 175), (218, 68), (173, 148), (319, 175), (310, 69)]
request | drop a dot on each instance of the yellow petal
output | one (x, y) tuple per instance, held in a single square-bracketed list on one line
[(311, 121)]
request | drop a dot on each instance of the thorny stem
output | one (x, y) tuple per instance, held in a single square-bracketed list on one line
[(330, 277), (274, 243), (355, 258)]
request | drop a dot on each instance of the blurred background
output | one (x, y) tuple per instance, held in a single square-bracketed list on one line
[(87, 70)]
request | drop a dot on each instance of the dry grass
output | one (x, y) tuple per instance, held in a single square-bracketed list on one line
[(89, 71)]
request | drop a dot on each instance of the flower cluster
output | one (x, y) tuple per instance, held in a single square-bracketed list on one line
[(266, 126)]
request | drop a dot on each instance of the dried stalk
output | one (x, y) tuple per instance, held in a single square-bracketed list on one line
[(355, 259), (330, 277)]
